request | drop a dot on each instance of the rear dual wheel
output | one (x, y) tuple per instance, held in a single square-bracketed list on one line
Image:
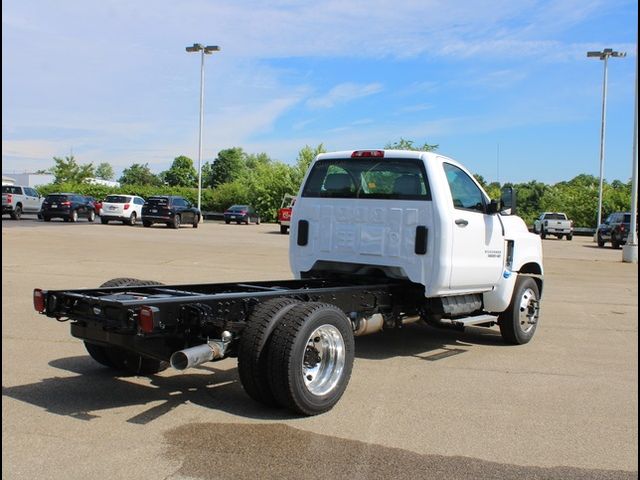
[(297, 355)]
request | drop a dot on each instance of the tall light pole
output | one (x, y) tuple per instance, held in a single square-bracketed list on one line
[(630, 250), (603, 55), (208, 50)]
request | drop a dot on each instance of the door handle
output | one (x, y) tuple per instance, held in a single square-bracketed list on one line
[(462, 222)]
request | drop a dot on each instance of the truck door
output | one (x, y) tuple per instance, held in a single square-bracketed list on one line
[(478, 243)]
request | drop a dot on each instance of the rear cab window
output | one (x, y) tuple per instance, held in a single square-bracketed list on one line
[(366, 178), (11, 189)]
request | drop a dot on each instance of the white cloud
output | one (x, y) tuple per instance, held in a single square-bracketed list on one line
[(344, 93)]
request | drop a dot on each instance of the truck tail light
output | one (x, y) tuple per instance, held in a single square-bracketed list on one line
[(146, 318), (622, 227), (367, 153), (38, 300), (9, 198), (65, 204), (126, 206)]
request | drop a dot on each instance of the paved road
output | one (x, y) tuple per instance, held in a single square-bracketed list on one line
[(421, 403)]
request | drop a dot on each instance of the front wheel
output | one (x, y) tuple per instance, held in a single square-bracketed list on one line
[(543, 234), (600, 241), (310, 358), (519, 321), (570, 236), (92, 216), (196, 221), (176, 222), (133, 218)]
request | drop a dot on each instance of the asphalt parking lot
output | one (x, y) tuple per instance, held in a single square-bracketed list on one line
[(421, 403)]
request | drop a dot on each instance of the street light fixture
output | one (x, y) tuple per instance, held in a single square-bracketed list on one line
[(208, 50), (603, 55)]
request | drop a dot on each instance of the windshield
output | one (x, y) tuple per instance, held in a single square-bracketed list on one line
[(11, 189), (161, 201), (117, 199), (555, 216), (403, 179)]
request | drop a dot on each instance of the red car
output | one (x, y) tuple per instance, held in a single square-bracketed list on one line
[(97, 206), (284, 213)]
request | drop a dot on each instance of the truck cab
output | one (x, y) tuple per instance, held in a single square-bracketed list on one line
[(409, 215)]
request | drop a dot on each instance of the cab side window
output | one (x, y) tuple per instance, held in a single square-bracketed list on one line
[(465, 193)]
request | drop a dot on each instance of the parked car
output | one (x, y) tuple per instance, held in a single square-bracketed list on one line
[(615, 229), (554, 223), (285, 211), (17, 200), (123, 208), (97, 205), (170, 209), (68, 206), (241, 214)]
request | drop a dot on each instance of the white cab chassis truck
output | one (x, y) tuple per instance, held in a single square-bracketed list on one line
[(379, 239)]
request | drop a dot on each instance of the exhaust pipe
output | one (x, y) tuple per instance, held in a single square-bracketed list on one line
[(194, 356)]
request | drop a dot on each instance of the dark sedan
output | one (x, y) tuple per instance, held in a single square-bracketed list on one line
[(68, 206), (241, 214), (171, 210)]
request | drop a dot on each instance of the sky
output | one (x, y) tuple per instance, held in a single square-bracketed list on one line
[(504, 87)]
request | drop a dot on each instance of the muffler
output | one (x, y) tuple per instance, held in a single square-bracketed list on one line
[(194, 356)]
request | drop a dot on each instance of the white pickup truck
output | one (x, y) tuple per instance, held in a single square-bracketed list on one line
[(554, 223), (379, 239), (17, 200)]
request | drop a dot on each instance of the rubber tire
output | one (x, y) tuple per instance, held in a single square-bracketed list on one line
[(615, 243), (227, 222), (176, 222), (284, 229), (560, 235), (509, 321), (196, 221), (286, 351), (257, 220), (543, 234), (103, 221), (570, 237), (118, 358), (253, 348), (46, 219), (74, 216), (133, 218), (146, 224), (600, 241), (17, 213), (92, 216)]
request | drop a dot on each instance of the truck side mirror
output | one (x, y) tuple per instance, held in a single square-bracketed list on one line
[(493, 207), (508, 201)]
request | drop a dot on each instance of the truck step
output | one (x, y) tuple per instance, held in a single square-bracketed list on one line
[(472, 320)]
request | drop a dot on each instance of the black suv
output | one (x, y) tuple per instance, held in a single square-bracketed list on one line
[(615, 229), (68, 206), (169, 209)]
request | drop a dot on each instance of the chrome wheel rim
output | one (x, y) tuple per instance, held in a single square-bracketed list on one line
[(323, 360), (528, 311)]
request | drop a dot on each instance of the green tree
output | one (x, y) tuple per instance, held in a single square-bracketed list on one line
[(181, 174), (404, 144), (68, 170), (229, 165), (105, 171), (254, 159), (138, 174)]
